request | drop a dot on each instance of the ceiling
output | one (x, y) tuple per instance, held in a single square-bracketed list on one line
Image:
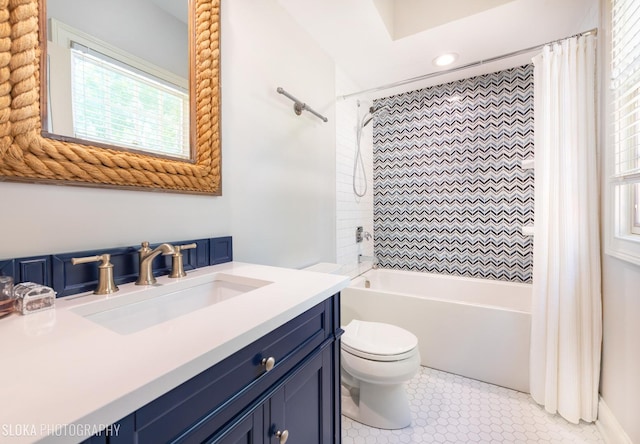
[(379, 42)]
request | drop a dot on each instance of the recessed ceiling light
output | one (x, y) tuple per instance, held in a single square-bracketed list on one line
[(445, 59)]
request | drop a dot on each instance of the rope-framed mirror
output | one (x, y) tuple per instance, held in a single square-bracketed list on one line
[(27, 156)]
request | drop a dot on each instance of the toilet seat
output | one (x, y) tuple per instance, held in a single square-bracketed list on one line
[(377, 341), (380, 358)]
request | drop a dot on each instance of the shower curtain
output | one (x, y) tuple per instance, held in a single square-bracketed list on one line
[(566, 330)]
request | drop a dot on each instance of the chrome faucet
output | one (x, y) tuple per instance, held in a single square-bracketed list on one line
[(147, 255)]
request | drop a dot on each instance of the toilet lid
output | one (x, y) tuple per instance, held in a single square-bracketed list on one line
[(376, 339)]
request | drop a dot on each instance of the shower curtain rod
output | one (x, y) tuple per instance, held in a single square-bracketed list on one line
[(460, 68)]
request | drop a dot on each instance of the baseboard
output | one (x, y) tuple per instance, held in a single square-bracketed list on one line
[(609, 427)]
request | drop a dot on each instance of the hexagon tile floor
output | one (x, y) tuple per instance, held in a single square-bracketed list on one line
[(451, 409)]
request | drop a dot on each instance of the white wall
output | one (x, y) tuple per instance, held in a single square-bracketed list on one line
[(278, 169), (620, 378), (352, 211), (281, 177)]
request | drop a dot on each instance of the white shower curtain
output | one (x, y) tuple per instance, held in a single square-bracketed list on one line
[(566, 330)]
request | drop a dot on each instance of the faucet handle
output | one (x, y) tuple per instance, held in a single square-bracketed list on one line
[(177, 265), (106, 284)]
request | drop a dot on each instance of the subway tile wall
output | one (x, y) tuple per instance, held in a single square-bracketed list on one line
[(352, 211)]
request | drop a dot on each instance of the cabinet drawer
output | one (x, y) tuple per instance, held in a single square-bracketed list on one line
[(220, 392)]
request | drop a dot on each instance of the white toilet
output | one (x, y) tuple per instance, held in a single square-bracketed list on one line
[(377, 359)]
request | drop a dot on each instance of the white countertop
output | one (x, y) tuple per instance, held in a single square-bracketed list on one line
[(61, 371)]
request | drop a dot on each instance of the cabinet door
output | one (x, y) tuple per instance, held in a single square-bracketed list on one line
[(303, 405), (247, 430), (95, 440)]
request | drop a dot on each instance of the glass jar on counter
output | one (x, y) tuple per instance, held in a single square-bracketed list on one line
[(7, 301), (31, 297)]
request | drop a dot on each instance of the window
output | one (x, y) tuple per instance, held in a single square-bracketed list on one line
[(121, 100), (635, 228), (624, 138), (116, 104)]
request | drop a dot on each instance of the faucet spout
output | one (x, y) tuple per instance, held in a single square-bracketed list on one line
[(147, 255)]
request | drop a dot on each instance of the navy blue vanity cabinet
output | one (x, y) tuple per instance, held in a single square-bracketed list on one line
[(249, 429), (302, 403), (296, 407), (239, 400), (98, 439)]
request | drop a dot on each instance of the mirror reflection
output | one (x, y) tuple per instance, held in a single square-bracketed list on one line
[(118, 74)]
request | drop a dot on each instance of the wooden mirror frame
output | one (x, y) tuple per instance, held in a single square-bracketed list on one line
[(27, 156)]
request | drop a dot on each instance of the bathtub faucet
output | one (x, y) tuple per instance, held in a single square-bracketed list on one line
[(373, 259)]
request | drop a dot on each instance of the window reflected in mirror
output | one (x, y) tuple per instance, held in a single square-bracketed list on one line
[(119, 80)]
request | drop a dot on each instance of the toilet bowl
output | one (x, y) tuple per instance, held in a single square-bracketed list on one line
[(377, 359)]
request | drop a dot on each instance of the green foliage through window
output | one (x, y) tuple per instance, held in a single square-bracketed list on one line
[(123, 107)]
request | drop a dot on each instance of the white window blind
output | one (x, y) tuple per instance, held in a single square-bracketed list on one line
[(625, 70), (116, 104), (622, 130)]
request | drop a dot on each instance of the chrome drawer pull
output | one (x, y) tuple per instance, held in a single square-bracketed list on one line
[(282, 436), (268, 363)]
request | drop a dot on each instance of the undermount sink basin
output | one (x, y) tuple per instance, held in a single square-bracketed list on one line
[(156, 304)]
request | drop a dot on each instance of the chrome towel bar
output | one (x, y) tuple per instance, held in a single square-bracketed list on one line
[(299, 106)]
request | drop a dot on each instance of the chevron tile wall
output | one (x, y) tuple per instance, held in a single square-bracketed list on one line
[(450, 195)]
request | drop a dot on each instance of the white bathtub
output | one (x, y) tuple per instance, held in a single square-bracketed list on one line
[(471, 327)]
